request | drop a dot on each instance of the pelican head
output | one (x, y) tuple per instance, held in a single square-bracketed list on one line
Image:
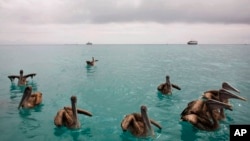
[(26, 95), (73, 99), (21, 72), (227, 86), (167, 79), (145, 119)]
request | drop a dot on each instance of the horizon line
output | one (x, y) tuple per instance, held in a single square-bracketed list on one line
[(121, 44)]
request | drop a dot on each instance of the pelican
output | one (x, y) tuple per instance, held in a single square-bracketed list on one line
[(21, 78), (30, 100), (198, 105), (68, 115), (200, 119), (166, 88), (223, 95), (139, 123), (91, 63)]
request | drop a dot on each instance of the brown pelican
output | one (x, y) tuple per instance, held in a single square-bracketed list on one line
[(200, 118), (198, 105), (166, 88), (68, 115), (223, 95), (21, 78), (91, 63), (30, 100), (139, 123)]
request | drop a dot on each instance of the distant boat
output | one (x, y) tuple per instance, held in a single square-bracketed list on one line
[(192, 42), (89, 43)]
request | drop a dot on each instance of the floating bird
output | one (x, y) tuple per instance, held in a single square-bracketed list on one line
[(139, 123), (91, 63), (166, 88), (223, 95), (68, 115), (30, 100), (200, 118), (21, 78), (198, 105)]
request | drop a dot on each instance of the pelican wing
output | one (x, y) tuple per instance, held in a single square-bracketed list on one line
[(194, 107), (211, 94), (12, 77), (81, 111), (131, 122), (58, 120), (90, 63), (36, 98), (188, 108), (155, 123), (191, 103), (68, 116), (160, 87), (137, 116), (185, 111), (199, 122), (176, 86), (126, 122), (30, 75), (192, 118)]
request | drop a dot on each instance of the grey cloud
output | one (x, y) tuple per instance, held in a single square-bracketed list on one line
[(108, 11), (166, 12)]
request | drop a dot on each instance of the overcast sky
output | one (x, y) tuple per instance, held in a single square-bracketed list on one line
[(124, 21)]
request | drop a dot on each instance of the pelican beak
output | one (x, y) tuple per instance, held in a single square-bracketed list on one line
[(226, 95), (227, 86), (146, 121), (26, 95), (73, 105), (74, 110), (214, 104)]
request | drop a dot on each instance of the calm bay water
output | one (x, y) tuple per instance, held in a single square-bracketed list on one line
[(124, 78)]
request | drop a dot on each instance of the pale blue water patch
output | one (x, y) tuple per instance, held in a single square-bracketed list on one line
[(124, 78)]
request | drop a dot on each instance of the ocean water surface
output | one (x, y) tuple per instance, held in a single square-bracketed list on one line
[(124, 78)]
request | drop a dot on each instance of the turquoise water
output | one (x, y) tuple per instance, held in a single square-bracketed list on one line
[(124, 78)]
